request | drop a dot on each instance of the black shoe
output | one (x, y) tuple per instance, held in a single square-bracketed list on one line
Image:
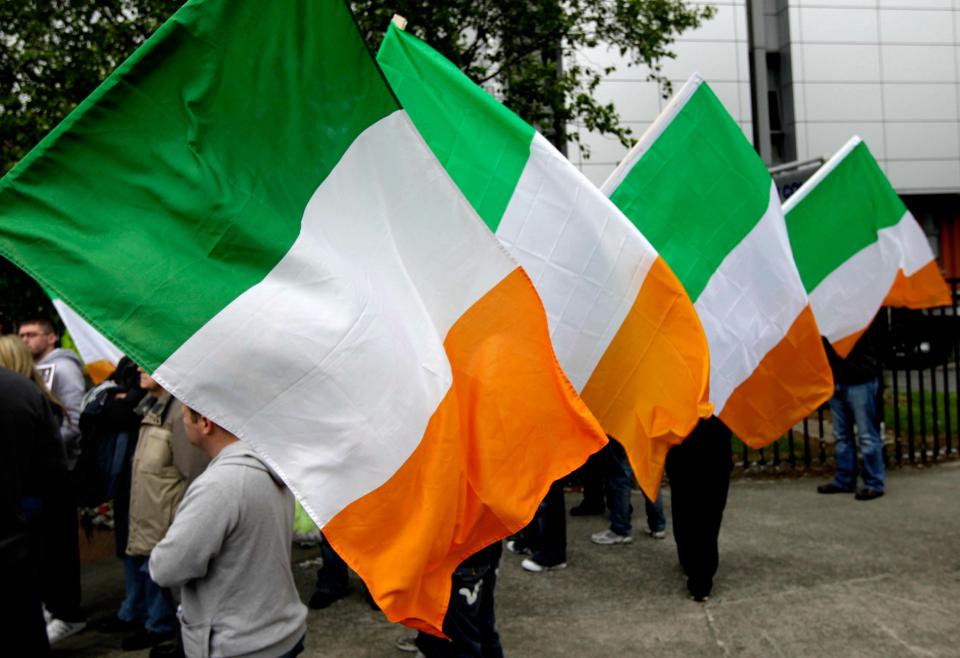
[(868, 494), (321, 600), (699, 590), (143, 639), (171, 649), (586, 510), (831, 488)]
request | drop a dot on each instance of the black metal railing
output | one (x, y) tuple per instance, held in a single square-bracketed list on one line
[(920, 406)]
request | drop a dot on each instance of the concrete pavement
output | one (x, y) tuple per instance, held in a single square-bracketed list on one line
[(801, 574)]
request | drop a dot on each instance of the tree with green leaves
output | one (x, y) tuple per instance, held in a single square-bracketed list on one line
[(525, 52), (53, 53)]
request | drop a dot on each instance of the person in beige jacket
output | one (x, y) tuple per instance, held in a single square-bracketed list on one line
[(164, 464)]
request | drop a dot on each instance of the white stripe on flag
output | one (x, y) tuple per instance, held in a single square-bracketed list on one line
[(340, 348), (91, 343), (849, 297), (584, 256), (913, 243), (846, 301), (745, 314)]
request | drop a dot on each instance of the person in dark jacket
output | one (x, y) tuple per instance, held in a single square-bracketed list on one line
[(699, 474), (855, 402), (32, 467), (112, 408), (55, 534)]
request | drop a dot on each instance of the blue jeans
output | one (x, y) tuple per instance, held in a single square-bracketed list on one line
[(857, 404), (618, 474), (144, 601), (656, 521)]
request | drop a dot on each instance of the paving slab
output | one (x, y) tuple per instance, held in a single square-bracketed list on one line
[(801, 574)]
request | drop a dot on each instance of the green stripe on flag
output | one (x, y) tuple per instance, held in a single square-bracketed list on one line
[(482, 145), (191, 165), (697, 191), (841, 215)]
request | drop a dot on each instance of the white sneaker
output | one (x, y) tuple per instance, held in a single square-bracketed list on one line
[(608, 537), (535, 567), (58, 629), (657, 534)]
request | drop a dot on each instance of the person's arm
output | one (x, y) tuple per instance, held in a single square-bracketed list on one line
[(70, 386), (48, 466), (205, 517)]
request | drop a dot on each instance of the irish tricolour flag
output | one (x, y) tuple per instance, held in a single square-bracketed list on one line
[(622, 326), (857, 247), (245, 209), (100, 356), (703, 197)]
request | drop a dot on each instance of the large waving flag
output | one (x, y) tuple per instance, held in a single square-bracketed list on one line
[(857, 247), (244, 208), (622, 326), (703, 197), (100, 356)]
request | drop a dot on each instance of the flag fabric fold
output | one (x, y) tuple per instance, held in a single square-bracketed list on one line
[(100, 356), (857, 247), (621, 324), (245, 209), (694, 186)]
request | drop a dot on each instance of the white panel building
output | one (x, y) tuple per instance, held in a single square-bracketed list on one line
[(887, 70)]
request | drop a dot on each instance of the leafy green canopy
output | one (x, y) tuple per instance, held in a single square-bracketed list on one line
[(525, 52)]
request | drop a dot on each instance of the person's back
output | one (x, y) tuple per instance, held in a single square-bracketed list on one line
[(31, 467), (229, 552)]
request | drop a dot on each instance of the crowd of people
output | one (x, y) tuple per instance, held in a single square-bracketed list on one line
[(194, 507)]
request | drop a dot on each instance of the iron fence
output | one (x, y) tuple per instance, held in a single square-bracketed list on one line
[(919, 407)]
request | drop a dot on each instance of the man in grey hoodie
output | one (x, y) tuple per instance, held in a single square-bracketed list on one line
[(228, 551), (64, 372)]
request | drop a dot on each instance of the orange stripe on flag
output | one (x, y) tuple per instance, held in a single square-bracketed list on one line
[(843, 346), (100, 370), (924, 289), (792, 380), (658, 362), (510, 425)]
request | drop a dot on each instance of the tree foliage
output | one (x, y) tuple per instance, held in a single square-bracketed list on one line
[(53, 53), (526, 52)]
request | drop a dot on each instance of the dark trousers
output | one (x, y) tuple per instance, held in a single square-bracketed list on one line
[(333, 576), (470, 621), (699, 472), (59, 553), (591, 478), (21, 614), (546, 535)]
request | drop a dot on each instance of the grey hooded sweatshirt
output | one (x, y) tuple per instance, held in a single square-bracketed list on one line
[(68, 387), (228, 551)]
